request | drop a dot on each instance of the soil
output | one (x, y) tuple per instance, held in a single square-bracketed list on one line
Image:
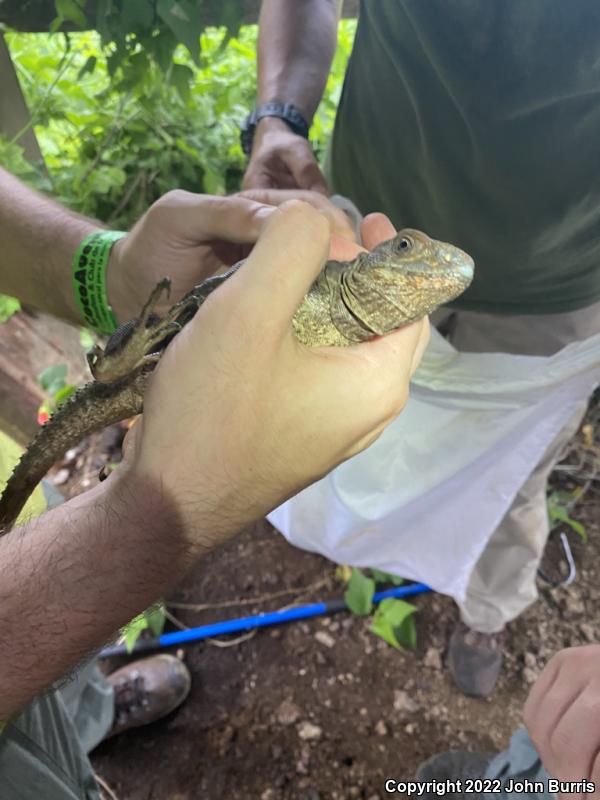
[(323, 708)]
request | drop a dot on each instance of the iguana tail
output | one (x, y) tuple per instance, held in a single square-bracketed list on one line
[(89, 409)]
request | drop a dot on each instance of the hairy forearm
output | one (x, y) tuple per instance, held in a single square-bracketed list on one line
[(39, 239), (296, 44), (72, 577)]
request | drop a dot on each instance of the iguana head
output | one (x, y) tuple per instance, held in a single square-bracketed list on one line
[(403, 279)]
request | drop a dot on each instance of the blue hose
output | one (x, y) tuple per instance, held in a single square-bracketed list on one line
[(257, 621)]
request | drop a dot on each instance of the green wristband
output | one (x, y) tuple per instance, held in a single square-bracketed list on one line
[(89, 280)]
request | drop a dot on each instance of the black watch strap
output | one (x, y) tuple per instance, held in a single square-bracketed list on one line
[(285, 111)]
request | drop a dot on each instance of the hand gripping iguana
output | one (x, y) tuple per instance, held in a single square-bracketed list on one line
[(398, 282)]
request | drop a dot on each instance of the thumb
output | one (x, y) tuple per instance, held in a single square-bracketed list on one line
[(199, 218), (285, 261)]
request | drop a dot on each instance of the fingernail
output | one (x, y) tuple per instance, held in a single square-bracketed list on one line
[(265, 212)]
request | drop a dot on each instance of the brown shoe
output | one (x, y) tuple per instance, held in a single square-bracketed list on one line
[(147, 690), (474, 660)]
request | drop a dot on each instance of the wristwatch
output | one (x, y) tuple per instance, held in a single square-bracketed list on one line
[(285, 111)]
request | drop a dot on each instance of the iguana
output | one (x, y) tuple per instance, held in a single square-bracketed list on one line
[(398, 282)]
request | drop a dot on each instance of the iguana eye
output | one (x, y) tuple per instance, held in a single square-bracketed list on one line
[(405, 243)]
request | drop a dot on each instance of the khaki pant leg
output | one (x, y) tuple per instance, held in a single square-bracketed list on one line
[(502, 583)]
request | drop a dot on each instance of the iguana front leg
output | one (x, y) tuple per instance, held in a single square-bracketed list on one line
[(139, 341), (129, 346)]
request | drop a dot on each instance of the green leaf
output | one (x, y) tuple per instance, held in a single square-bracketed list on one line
[(8, 307), (163, 46), (132, 631), (183, 19), (557, 512), (52, 376), (64, 392), (89, 66), (71, 10), (155, 617), (181, 77), (394, 622), (386, 577), (136, 15), (359, 594)]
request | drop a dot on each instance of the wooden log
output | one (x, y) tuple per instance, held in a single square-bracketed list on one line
[(30, 342)]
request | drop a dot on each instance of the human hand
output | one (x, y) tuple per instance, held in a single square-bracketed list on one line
[(281, 159), (188, 237), (340, 222), (561, 715), (184, 236), (239, 415)]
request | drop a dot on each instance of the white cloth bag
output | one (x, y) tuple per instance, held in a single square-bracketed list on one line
[(424, 499)]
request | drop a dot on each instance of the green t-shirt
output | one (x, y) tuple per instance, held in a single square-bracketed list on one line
[(478, 121)]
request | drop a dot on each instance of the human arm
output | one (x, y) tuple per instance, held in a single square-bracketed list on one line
[(562, 715), (295, 48), (238, 417), (40, 238)]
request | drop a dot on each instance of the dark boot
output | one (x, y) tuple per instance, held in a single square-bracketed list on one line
[(454, 765), (147, 690), (474, 660)]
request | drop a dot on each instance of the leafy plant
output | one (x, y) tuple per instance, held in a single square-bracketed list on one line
[(393, 620), (152, 619), (112, 148), (560, 504), (359, 594), (8, 307), (53, 381), (138, 36)]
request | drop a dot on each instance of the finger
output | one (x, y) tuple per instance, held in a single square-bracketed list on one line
[(536, 700), (302, 164), (284, 262), (376, 228), (575, 741), (339, 220), (557, 698), (341, 249), (202, 217)]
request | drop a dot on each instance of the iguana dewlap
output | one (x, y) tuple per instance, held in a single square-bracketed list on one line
[(397, 283)]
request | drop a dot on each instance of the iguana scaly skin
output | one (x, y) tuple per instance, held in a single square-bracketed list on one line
[(398, 282)]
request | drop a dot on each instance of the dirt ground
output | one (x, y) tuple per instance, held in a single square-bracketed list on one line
[(323, 709)]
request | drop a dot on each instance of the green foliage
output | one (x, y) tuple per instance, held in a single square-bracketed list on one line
[(359, 594), (152, 619), (136, 36), (8, 307), (112, 145), (393, 620), (53, 381), (385, 577), (52, 378), (560, 505)]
